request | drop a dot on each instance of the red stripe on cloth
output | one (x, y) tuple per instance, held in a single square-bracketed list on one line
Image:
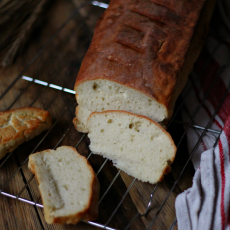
[(203, 144), (218, 90), (227, 131), (228, 217), (227, 134), (204, 106), (224, 111), (222, 172), (210, 67), (215, 96)]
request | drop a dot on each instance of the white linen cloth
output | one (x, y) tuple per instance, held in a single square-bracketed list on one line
[(206, 204)]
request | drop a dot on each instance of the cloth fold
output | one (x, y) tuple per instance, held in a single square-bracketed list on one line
[(206, 204)]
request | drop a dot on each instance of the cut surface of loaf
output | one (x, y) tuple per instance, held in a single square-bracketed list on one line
[(20, 125), (140, 56), (100, 95), (137, 145), (68, 185)]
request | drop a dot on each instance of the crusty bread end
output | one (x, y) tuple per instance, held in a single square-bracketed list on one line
[(20, 125), (68, 185)]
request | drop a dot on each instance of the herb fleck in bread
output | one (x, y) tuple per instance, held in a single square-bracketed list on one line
[(20, 125), (135, 144), (68, 185)]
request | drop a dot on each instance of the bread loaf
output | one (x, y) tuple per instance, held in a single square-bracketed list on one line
[(140, 56), (68, 185), (20, 125), (136, 144)]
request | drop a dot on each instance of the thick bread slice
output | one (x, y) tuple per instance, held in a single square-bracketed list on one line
[(68, 185), (140, 57), (137, 145), (20, 125)]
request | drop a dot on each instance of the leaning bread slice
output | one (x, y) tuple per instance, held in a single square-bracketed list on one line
[(137, 145), (68, 185), (20, 125)]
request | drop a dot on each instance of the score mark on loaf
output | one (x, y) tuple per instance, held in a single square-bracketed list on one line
[(139, 60)]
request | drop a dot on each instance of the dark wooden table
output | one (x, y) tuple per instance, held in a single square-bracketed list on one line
[(55, 56)]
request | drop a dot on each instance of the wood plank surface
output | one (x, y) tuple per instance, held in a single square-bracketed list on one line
[(59, 63)]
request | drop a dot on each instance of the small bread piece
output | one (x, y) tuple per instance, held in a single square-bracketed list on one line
[(20, 125), (68, 185), (140, 56), (136, 144)]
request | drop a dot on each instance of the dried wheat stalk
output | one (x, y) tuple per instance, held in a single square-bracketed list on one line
[(16, 20)]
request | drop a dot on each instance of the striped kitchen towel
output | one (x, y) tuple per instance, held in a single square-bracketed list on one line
[(206, 204)]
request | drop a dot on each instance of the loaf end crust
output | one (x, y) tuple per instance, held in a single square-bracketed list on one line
[(91, 209), (20, 125)]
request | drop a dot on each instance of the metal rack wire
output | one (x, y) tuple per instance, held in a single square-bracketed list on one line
[(148, 206)]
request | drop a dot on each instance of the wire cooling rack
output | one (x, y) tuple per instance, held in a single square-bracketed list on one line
[(124, 201)]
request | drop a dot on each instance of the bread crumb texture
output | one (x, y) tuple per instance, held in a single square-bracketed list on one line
[(137, 145), (67, 183), (20, 125), (101, 95)]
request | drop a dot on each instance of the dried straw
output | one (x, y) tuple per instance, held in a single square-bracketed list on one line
[(17, 18)]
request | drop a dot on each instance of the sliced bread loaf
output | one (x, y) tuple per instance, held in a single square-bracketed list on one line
[(20, 125), (136, 62), (68, 185), (136, 144)]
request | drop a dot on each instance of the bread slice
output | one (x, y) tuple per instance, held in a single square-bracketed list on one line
[(140, 57), (20, 125), (136, 144), (68, 185)]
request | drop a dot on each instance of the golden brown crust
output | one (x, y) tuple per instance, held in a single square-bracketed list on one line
[(136, 44), (75, 120), (77, 123), (91, 210), (20, 125)]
